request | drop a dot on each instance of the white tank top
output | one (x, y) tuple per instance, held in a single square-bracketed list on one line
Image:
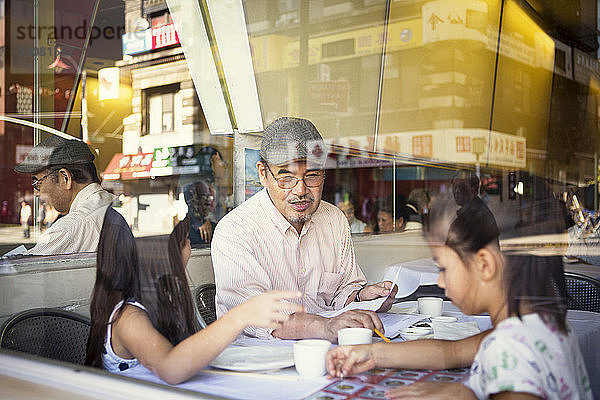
[(111, 361)]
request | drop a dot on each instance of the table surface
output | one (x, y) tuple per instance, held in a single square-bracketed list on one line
[(369, 385)]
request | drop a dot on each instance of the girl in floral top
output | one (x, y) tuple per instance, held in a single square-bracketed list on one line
[(531, 353)]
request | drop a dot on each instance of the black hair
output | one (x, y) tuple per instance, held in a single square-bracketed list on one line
[(81, 173), (204, 156), (116, 280), (532, 283), (473, 229), (465, 186), (149, 270), (165, 289), (539, 283), (395, 205)]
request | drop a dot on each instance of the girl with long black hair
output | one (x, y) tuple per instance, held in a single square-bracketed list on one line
[(142, 311)]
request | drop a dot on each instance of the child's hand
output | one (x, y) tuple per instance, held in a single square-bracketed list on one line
[(350, 360), (268, 311)]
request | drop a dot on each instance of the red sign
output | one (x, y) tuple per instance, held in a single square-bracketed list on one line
[(131, 166), (164, 35)]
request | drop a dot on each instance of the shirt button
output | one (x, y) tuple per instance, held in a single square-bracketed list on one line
[(303, 270)]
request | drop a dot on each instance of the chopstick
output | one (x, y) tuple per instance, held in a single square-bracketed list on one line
[(381, 336), (251, 374)]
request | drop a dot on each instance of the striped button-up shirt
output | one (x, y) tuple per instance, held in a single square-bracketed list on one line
[(79, 230), (255, 249)]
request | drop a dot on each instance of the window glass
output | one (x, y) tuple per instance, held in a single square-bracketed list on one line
[(415, 100)]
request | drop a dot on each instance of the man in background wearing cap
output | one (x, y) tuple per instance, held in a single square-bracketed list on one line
[(286, 238), (64, 176)]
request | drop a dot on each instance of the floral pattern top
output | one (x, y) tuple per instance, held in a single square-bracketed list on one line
[(531, 356)]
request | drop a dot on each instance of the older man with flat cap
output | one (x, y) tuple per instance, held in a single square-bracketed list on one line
[(64, 176), (286, 238)]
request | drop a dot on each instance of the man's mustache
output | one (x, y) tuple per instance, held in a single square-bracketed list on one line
[(296, 199)]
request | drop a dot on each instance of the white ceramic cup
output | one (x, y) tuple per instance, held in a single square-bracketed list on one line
[(309, 357), (431, 306), (351, 336)]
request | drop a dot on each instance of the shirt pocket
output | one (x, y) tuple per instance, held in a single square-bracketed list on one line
[(329, 286)]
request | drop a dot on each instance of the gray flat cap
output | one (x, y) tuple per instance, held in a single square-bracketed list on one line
[(289, 139), (55, 150)]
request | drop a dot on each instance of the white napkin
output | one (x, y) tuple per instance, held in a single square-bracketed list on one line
[(454, 330)]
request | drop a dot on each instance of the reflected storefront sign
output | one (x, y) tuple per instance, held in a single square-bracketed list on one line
[(137, 42), (178, 160), (441, 20), (360, 42), (443, 145), (587, 68), (329, 96), (130, 166), (150, 39), (454, 20)]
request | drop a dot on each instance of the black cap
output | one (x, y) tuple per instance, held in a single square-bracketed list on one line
[(55, 150)]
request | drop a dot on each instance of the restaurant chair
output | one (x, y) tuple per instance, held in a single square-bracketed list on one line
[(205, 301), (47, 332), (583, 292)]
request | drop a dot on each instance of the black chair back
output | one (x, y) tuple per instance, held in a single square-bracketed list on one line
[(47, 332), (205, 300), (583, 292)]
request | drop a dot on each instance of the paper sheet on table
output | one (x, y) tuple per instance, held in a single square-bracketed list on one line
[(483, 321), (454, 330), (371, 305), (16, 251), (408, 276), (252, 341), (394, 323), (240, 385)]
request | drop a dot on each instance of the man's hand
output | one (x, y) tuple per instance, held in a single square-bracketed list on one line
[(206, 231), (380, 289), (351, 319)]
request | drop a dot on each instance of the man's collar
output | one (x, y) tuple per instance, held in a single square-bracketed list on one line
[(84, 194)]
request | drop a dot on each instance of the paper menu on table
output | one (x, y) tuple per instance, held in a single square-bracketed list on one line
[(408, 276), (16, 251), (370, 305)]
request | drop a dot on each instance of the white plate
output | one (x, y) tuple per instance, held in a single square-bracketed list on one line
[(254, 358)]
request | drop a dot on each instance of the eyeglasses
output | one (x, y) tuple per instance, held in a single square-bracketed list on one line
[(312, 179), (37, 182)]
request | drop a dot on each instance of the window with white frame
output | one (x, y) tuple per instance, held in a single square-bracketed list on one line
[(163, 109)]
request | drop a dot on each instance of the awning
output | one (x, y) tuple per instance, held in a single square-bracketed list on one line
[(129, 166)]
